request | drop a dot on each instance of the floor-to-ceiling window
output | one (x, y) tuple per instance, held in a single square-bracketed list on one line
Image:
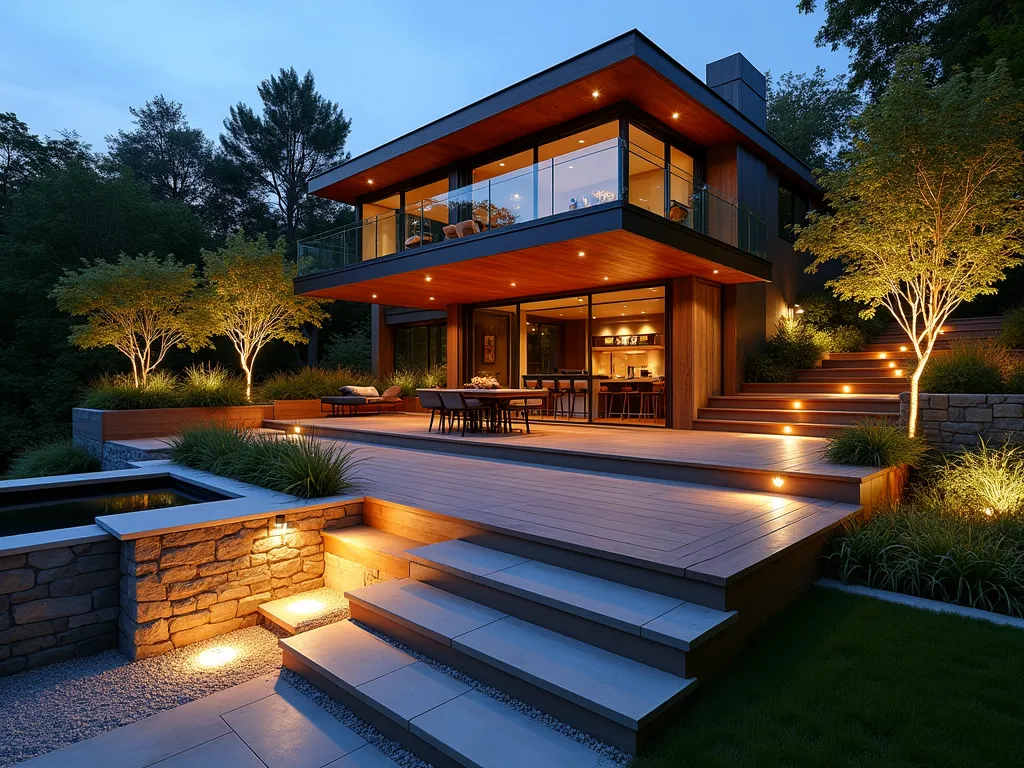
[(493, 344), (421, 347), (380, 227)]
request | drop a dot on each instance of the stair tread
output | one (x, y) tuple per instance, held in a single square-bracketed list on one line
[(623, 690), (365, 537), (420, 607), (618, 688), (591, 597), (466, 725), (476, 730)]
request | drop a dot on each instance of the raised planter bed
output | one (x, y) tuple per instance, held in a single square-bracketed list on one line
[(100, 426)]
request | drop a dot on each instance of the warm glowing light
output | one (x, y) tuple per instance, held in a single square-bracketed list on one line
[(501, 165), (778, 482), (606, 277), (847, 389), (595, 94), (431, 298), (799, 311), (892, 365), (898, 372), (369, 181), (279, 523), (513, 285), (882, 355), (582, 141), (428, 278), (675, 115), (297, 429), (989, 511), (305, 607), (942, 330), (374, 296), (714, 272), (581, 253), (216, 657), (903, 349), (797, 404), (787, 429)]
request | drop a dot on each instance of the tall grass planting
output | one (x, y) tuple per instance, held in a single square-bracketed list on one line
[(294, 464), (968, 367), (925, 550), (875, 444), (210, 387), (987, 481), (61, 457), (196, 387), (309, 383)]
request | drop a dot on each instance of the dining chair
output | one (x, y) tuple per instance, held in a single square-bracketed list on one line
[(431, 399), (464, 409)]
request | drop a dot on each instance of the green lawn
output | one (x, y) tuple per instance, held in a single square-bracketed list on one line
[(841, 680)]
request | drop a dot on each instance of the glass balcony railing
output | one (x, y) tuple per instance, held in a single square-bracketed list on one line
[(580, 179)]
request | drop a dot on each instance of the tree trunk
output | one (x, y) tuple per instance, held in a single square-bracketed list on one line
[(248, 381), (915, 386), (312, 356)]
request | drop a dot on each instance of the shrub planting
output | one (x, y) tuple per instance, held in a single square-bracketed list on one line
[(61, 457), (294, 464), (986, 481), (1012, 335), (794, 346), (198, 387), (969, 367), (309, 383), (875, 444)]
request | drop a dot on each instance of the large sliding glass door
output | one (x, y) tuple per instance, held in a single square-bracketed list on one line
[(596, 357)]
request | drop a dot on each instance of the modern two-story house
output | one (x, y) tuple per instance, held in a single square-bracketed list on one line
[(613, 229)]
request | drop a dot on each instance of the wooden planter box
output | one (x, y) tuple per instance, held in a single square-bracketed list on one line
[(299, 409), (101, 426)]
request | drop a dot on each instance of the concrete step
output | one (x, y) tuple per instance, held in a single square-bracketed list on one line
[(770, 428), (645, 626), (850, 374), (810, 402), (305, 611), (436, 717), (614, 698), (372, 548), (827, 387), (792, 416)]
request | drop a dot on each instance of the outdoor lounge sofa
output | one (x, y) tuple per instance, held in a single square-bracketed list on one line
[(356, 399)]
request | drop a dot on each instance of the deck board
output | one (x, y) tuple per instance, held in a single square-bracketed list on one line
[(706, 532)]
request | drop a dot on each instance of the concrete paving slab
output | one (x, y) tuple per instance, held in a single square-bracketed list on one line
[(410, 691), (364, 757), (623, 690), (422, 608), (227, 751), (475, 730), (347, 654), (687, 626), (289, 730), (463, 558)]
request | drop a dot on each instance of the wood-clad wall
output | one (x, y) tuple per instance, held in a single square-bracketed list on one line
[(707, 341), (382, 346), (455, 346)]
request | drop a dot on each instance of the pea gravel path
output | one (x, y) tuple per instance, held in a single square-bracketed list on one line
[(51, 707)]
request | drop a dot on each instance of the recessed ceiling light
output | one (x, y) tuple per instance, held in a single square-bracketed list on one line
[(581, 253), (374, 296), (369, 181), (675, 115), (595, 94), (715, 272), (560, 314), (581, 142), (431, 298), (429, 278), (606, 277), (570, 167), (513, 285), (501, 165), (643, 311), (623, 314)]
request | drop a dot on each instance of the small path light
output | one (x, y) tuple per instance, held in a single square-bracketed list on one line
[(216, 657), (778, 482)]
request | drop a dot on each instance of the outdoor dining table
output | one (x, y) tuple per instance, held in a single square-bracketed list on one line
[(493, 397)]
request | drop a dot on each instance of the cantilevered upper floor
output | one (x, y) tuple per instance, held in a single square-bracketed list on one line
[(617, 165)]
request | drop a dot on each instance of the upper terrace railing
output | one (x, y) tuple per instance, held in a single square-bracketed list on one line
[(578, 180)]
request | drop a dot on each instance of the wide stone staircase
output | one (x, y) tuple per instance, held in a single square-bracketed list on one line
[(607, 659), (849, 387)]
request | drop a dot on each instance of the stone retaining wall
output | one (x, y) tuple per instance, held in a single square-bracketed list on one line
[(58, 603), (180, 588), (950, 422)]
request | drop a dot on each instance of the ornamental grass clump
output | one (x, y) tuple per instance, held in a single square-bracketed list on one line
[(61, 457), (294, 464), (875, 444), (986, 481), (211, 387), (119, 392), (969, 367), (922, 549), (308, 383)]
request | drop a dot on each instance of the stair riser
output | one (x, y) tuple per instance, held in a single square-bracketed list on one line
[(881, 364), (388, 727), (602, 728), (791, 416), (849, 375), (796, 430), (786, 403), (825, 387), (623, 643)]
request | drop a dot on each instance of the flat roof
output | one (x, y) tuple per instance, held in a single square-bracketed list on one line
[(626, 68)]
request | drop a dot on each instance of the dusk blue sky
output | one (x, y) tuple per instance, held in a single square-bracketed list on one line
[(392, 65)]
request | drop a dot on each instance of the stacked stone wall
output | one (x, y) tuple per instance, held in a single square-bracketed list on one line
[(950, 422)]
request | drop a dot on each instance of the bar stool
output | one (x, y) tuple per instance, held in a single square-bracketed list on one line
[(552, 397), (582, 388), (650, 400)]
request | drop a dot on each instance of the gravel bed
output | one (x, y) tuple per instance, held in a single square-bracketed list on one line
[(51, 707), (522, 707), (392, 749)]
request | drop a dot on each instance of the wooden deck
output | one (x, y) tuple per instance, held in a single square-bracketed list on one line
[(716, 536), (752, 462)]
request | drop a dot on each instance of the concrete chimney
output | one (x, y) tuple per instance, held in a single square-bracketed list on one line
[(738, 82)]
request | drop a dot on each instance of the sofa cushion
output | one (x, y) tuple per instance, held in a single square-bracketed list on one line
[(392, 393), (360, 391), (344, 400)]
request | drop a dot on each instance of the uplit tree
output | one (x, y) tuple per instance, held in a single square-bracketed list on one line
[(142, 306), (252, 300), (925, 212)]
